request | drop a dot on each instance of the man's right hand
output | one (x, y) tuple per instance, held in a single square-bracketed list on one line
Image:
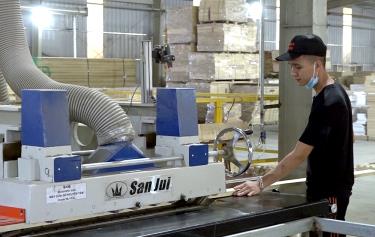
[(248, 188)]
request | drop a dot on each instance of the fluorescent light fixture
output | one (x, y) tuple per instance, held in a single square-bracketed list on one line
[(254, 10), (41, 17)]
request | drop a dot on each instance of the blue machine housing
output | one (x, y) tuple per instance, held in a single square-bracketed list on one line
[(198, 154), (45, 118), (176, 112), (67, 168)]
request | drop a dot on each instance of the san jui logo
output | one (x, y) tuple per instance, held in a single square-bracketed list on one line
[(119, 189), (138, 187)]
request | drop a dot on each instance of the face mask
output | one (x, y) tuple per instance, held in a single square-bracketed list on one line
[(313, 81)]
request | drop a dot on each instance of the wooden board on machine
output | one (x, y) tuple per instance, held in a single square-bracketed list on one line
[(95, 73)]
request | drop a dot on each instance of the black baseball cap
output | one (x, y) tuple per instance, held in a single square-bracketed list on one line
[(304, 45)]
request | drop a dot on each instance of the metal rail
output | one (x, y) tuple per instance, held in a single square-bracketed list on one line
[(140, 161), (315, 224), (114, 164)]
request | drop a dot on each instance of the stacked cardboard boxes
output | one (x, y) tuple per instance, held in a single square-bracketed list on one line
[(182, 37)]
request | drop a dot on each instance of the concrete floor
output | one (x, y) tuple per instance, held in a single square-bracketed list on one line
[(362, 205)]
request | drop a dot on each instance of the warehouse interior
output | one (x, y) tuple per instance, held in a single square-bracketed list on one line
[(139, 117)]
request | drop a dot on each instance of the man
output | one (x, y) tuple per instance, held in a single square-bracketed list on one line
[(327, 141)]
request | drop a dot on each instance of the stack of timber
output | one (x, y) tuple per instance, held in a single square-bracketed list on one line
[(65, 70), (181, 34), (223, 66), (180, 70), (182, 25), (96, 73), (226, 41), (111, 73), (222, 59), (223, 10), (223, 37)]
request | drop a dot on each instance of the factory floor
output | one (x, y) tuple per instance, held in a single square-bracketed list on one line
[(362, 206)]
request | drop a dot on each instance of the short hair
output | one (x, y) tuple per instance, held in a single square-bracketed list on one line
[(314, 58)]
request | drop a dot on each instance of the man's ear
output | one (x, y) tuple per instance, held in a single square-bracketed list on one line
[(318, 64)]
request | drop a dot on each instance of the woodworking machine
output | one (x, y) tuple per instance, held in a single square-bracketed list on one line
[(48, 184)]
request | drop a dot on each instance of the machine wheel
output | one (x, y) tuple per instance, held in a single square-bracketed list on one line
[(228, 146)]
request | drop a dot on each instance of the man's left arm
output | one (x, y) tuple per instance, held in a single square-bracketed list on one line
[(291, 161)]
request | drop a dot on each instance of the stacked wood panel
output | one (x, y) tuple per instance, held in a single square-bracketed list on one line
[(97, 73)]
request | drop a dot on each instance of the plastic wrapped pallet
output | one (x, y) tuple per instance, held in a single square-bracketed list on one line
[(223, 10), (219, 37), (180, 70), (182, 25), (223, 66)]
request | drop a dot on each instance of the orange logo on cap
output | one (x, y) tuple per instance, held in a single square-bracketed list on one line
[(291, 46)]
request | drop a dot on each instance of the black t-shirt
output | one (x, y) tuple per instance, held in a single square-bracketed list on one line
[(330, 131)]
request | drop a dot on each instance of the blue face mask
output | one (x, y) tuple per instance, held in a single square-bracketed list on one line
[(313, 81)]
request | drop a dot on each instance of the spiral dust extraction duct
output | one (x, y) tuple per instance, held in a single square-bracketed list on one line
[(87, 106), (4, 97)]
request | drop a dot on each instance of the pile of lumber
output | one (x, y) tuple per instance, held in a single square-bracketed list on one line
[(223, 10), (222, 37), (96, 73), (223, 66)]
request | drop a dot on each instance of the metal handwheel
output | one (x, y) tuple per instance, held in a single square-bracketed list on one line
[(228, 154)]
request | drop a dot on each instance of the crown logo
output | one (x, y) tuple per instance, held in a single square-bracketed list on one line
[(117, 191)]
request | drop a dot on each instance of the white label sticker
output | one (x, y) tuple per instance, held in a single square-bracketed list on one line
[(62, 193)]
